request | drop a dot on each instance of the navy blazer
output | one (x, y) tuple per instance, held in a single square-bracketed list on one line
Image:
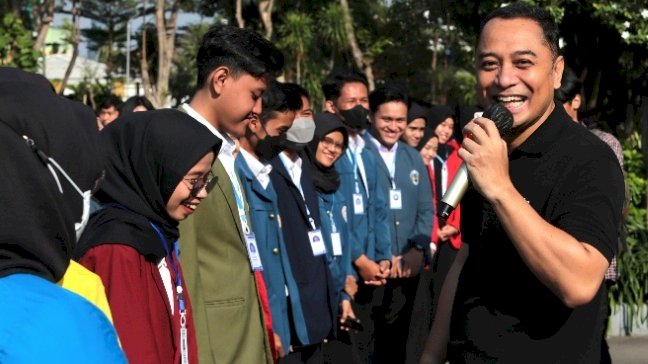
[(314, 282), (410, 226), (277, 273)]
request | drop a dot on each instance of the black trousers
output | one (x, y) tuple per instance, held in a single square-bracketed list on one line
[(311, 354)]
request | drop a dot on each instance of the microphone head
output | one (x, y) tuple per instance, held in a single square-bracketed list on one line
[(501, 116)]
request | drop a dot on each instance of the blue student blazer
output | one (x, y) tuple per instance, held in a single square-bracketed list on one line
[(411, 225), (265, 223), (369, 232)]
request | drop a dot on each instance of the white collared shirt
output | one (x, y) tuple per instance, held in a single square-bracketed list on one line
[(356, 145), (388, 155), (260, 170), (294, 168)]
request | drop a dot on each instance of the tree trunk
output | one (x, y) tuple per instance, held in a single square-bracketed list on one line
[(298, 60), (358, 56), (76, 35), (166, 32), (435, 57), (239, 14), (43, 15), (265, 12), (146, 80)]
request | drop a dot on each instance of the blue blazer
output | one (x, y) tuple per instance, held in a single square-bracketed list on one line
[(333, 209), (314, 282), (410, 226), (369, 232), (265, 223)]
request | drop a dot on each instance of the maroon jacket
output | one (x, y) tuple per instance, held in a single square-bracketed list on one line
[(147, 330)]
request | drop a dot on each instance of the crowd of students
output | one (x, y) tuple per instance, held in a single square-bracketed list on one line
[(242, 227)]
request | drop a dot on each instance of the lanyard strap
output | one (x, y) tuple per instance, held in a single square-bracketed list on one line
[(392, 171), (354, 162), (238, 195), (174, 265), (330, 214), (311, 221)]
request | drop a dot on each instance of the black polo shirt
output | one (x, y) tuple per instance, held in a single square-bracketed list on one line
[(502, 312)]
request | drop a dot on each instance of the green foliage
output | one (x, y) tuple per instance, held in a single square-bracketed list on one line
[(182, 82), (628, 17), (632, 286), (17, 44)]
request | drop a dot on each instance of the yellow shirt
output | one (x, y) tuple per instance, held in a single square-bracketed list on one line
[(86, 284)]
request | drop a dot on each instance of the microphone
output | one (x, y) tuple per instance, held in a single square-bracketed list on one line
[(504, 121)]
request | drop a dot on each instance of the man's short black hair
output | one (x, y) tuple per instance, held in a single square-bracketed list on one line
[(279, 97), (298, 89), (110, 101), (570, 86), (336, 79), (241, 50), (388, 92), (541, 16)]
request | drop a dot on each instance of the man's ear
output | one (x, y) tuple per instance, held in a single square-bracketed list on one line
[(330, 107), (576, 102), (254, 124), (218, 78)]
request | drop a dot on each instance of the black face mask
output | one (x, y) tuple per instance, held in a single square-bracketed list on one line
[(270, 146), (356, 117)]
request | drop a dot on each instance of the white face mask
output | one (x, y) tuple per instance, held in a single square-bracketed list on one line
[(85, 195)]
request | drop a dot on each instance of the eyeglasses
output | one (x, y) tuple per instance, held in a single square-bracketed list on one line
[(330, 143), (196, 185)]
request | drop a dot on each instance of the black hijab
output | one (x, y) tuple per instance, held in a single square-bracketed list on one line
[(326, 180), (37, 233), (148, 153)]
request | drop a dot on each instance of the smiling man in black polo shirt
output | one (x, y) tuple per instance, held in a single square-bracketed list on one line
[(540, 218)]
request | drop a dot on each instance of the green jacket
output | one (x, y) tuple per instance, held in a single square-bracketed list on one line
[(227, 311)]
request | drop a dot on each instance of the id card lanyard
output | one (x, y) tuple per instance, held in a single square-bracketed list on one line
[(314, 234), (173, 257), (358, 203), (336, 241), (250, 239), (395, 196)]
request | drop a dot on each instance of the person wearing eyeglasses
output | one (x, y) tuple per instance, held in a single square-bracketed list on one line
[(157, 173), (328, 145)]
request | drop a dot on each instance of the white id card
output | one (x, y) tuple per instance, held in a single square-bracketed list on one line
[(184, 346), (253, 252), (395, 199), (358, 204), (317, 242), (336, 241)]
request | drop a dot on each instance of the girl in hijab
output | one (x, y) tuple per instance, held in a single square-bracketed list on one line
[(157, 173), (49, 155), (329, 143), (440, 154)]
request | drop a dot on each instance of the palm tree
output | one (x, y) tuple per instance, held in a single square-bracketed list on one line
[(296, 34)]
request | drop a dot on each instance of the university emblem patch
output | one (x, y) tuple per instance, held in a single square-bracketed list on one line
[(415, 177)]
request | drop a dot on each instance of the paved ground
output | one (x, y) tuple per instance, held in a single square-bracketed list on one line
[(629, 349)]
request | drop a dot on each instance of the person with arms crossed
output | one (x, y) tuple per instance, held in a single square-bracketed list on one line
[(539, 221)]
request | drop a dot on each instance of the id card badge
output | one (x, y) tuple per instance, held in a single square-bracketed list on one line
[(253, 252), (358, 204), (336, 241), (395, 199), (317, 242)]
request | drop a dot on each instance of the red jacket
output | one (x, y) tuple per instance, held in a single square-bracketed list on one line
[(453, 163), (147, 330)]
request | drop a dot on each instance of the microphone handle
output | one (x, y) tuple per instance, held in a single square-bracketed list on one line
[(454, 193)]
